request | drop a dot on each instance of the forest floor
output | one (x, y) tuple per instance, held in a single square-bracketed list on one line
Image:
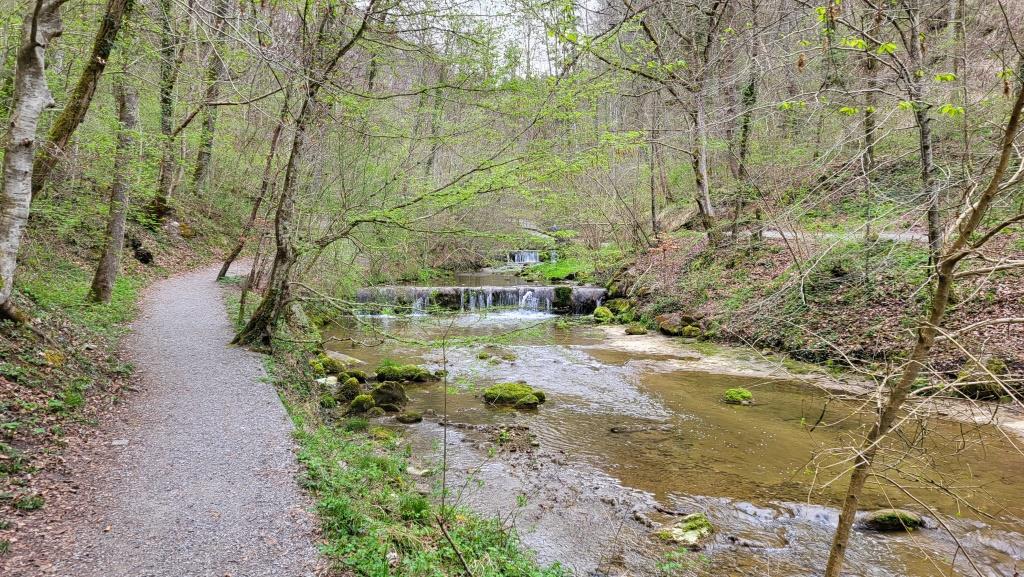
[(195, 476)]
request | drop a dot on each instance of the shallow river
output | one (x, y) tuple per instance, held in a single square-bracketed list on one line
[(634, 430)]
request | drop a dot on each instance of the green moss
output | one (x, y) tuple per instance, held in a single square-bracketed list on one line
[(409, 417), (530, 401), (356, 374), (892, 520), (690, 331), (618, 306), (375, 412), (361, 403), (603, 315), (689, 531), (512, 394), (636, 329), (738, 396), (348, 390), (392, 371)]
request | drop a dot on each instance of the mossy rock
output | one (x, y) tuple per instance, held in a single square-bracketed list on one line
[(738, 396), (389, 371), (626, 317), (356, 374), (409, 417), (495, 352), (892, 520), (375, 412), (691, 332), (563, 299), (389, 394), (361, 404), (518, 395), (636, 329), (618, 306), (328, 364), (690, 531), (603, 315), (528, 402), (348, 390)]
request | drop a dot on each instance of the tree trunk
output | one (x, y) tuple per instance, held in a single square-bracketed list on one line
[(215, 72), (700, 165), (128, 115), (160, 207), (78, 104), (31, 97), (265, 186), (924, 132), (927, 330)]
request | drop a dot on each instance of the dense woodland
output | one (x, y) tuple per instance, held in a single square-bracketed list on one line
[(836, 180)]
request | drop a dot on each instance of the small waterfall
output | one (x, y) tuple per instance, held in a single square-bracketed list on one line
[(524, 256), (420, 300)]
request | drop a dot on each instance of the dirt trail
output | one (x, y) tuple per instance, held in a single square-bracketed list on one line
[(200, 480)]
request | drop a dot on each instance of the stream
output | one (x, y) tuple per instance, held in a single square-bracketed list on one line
[(634, 432)]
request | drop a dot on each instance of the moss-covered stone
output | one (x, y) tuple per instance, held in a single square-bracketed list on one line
[(495, 352), (690, 331), (375, 412), (389, 394), (889, 520), (390, 371), (636, 329), (518, 395), (356, 374), (603, 314), (690, 531), (738, 396), (563, 299), (361, 404), (348, 390), (618, 306), (409, 417), (328, 364), (527, 402)]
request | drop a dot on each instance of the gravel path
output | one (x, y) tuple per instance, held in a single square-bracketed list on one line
[(202, 481)]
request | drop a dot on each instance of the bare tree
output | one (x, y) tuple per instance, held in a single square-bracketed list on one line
[(964, 244)]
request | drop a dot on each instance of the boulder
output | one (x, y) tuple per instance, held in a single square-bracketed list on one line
[(738, 396), (891, 520), (680, 324), (390, 371), (691, 531), (348, 390), (343, 358), (409, 417), (375, 412), (519, 395), (636, 329), (603, 315), (361, 404), (389, 394)]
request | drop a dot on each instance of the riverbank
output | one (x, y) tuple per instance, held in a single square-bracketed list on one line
[(377, 514)]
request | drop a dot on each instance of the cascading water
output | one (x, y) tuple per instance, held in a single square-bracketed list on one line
[(560, 299), (524, 256)]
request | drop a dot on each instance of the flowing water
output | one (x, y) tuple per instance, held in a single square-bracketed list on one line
[(634, 429)]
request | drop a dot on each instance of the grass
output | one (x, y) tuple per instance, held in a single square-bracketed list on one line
[(375, 522), (63, 286)]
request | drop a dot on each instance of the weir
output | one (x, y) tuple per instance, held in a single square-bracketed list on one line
[(553, 299)]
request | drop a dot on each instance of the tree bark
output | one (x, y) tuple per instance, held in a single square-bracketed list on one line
[(215, 72), (106, 270), (922, 116), (927, 330), (265, 185), (160, 207), (31, 96), (261, 326), (78, 104)]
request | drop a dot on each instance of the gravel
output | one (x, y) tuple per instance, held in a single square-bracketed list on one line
[(202, 480)]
